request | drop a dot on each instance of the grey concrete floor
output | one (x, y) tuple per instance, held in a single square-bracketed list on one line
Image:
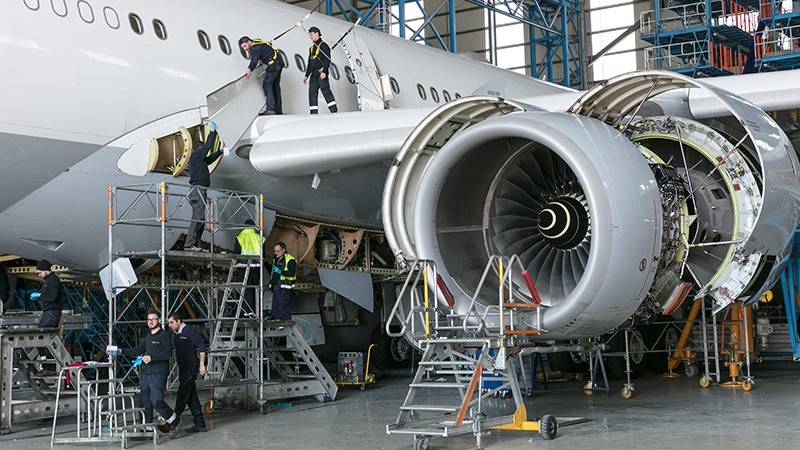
[(664, 414)]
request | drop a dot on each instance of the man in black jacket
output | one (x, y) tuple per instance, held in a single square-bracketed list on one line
[(319, 61), (263, 52), (200, 179), (190, 354), (156, 351), (52, 295)]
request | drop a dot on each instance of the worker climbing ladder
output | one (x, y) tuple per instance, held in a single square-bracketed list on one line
[(460, 347), (251, 360)]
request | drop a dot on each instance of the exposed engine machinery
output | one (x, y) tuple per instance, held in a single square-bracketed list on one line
[(618, 208)]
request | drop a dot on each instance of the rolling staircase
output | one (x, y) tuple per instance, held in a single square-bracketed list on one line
[(461, 350)]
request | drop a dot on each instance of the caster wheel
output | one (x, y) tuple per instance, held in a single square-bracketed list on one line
[(208, 407), (548, 427), (627, 392), (363, 387), (704, 382), (747, 385), (690, 370), (422, 443), (587, 389)]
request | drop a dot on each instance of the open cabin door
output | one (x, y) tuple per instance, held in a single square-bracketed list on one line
[(371, 94)]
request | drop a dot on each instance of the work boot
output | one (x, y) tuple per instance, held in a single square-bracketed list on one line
[(163, 427), (196, 429), (174, 427)]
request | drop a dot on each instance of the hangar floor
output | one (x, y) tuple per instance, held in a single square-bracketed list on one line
[(665, 414)]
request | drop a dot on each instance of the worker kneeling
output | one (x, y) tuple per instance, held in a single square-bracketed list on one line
[(262, 52), (284, 274)]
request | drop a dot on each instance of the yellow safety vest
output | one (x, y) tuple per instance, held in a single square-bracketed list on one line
[(250, 241), (286, 279)]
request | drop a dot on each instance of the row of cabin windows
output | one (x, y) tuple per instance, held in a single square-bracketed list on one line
[(160, 29), (434, 94)]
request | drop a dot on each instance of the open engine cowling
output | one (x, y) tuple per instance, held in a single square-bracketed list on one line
[(611, 210)]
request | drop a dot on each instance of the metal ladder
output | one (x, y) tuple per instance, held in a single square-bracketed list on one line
[(109, 417), (459, 348), (224, 338), (301, 373)]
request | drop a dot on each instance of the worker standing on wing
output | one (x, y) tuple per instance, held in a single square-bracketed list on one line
[(319, 62), (265, 53)]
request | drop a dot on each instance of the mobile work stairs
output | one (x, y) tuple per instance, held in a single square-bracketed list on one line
[(461, 346)]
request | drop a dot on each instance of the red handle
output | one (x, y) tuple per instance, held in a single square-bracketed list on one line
[(531, 288), (448, 297)]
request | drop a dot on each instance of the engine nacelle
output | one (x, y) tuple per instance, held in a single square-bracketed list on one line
[(614, 214)]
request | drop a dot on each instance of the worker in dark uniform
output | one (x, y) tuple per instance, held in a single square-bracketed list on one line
[(155, 349), (249, 242), (190, 354), (52, 295), (265, 53), (319, 62), (284, 274), (200, 179)]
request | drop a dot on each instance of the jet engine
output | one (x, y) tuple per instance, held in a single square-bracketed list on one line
[(615, 208)]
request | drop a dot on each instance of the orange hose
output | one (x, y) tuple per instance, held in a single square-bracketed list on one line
[(110, 191)]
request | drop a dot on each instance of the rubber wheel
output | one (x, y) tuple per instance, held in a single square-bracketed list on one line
[(690, 370), (627, 393), (747, 386), (587, 392), (548, 427), (422, 443), (704, 382), (363, 387)]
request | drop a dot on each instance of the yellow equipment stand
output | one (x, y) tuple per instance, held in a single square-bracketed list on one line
[(361, 383)]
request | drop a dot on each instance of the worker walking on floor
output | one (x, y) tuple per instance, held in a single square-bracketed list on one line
[(190, 355), (317, 70), (51, 296), (200, 179), (249, 243), (155, 351), (284, 274), (263, 52)]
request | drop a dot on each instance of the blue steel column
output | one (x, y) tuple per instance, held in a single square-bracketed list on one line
[(532, 45), (401, 13), (329, 7), (565, 10), (451, 23)]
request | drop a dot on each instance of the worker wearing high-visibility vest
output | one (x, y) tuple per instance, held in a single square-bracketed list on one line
[(248, 243), (284, 274)]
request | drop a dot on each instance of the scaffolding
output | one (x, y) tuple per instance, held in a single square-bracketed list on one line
[(700, 38), (777, 40), (554, 29), (208, 288)]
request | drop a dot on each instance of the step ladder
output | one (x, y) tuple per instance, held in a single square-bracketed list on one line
[(297, 370), (20, 354), (225, 340), (106, 412), (460, 347)]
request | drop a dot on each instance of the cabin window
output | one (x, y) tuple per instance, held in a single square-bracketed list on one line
[(458, 95), (301, 63), (136, 23), (421, 91), (85, 11), (224, 44), (434, 94), (446, 96), (334, 71), (160, 29), (59, 7), (395, 85), (348, 72), (112, 19), (284, 58), (205, 42), (33, 5)]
